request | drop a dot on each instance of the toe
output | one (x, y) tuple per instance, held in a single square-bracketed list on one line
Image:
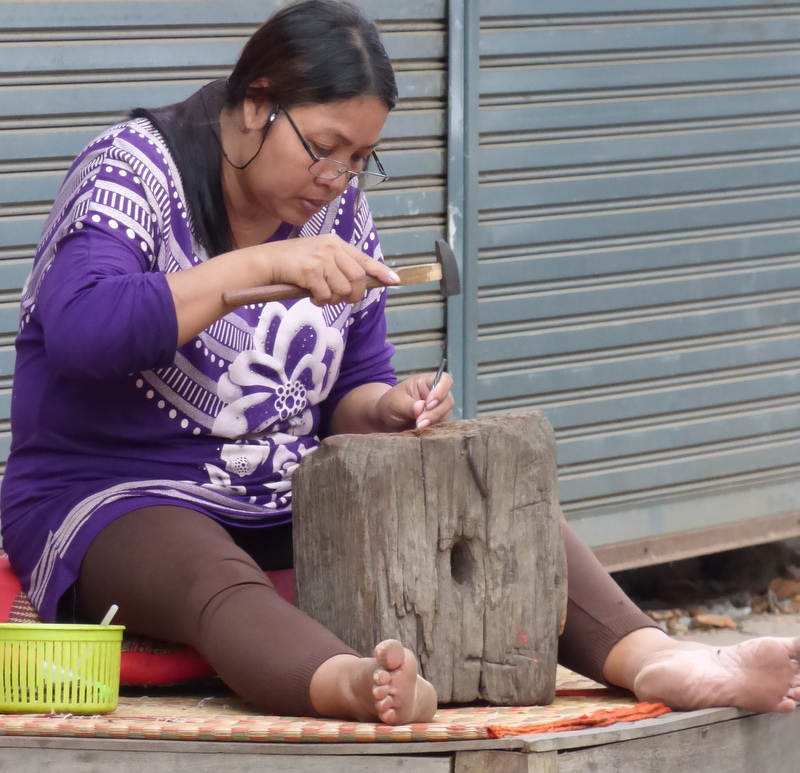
[(380, 691), (786, 705), (385, 704), (386, 711), (390, 654)]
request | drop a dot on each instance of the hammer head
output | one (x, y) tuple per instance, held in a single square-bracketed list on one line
[(450, 283)]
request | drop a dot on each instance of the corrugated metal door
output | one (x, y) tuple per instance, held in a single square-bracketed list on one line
[(70, 68), (636, 254), (620, 188)]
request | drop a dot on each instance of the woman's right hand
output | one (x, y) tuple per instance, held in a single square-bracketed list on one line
[(332, 270), (328, 267)]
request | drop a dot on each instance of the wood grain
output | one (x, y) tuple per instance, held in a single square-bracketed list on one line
[(447, 539), (755, 744), (505, 762)]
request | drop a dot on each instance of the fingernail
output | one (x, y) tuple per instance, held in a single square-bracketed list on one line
[(394, 277), (431, 405), (422, 424)]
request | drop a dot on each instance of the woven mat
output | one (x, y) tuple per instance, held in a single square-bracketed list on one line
[(580, 703)]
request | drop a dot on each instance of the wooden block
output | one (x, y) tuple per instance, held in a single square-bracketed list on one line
[(447, 539)]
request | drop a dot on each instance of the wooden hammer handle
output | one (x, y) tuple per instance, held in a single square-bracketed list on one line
[(409, 275)]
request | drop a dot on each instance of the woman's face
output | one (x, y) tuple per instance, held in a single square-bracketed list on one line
[(277, 184)]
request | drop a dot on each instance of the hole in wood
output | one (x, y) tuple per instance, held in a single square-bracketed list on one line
[(461, 562)]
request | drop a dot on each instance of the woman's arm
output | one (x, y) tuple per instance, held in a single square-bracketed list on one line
[(366, 396), (383, 408), (331, 269)]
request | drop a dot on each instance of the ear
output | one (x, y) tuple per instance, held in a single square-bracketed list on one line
[(255, 111)]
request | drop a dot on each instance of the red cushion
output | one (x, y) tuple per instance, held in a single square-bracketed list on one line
[(144, 661), (149, 661), (10, 588)]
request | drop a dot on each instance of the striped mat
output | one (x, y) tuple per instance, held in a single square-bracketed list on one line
[(579, 704)]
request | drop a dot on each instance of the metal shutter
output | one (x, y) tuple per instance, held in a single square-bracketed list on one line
[(636, 255), (616, 177)]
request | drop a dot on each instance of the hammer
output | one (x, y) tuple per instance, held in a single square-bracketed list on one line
[(444, 270)]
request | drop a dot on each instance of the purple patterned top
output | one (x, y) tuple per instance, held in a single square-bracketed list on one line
[(108, 415)]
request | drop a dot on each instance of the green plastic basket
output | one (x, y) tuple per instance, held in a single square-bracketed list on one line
[(59, 669)]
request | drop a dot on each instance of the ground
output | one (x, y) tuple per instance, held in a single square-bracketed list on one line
[(723, 598)]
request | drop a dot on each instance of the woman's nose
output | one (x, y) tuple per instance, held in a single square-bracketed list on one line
[(337, 186)]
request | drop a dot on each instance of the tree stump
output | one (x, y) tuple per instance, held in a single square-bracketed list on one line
[(447, 539)]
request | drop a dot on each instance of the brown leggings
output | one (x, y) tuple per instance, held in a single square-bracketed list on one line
[(180, 576)]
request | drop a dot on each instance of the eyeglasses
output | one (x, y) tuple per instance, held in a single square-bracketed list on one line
[(329, 169)]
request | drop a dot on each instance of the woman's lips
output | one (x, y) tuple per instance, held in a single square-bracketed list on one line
[(312, 206)]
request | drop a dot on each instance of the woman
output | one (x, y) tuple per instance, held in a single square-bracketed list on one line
[(155, 431)]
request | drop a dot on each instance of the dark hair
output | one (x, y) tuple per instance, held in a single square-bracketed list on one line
[(310, 52)]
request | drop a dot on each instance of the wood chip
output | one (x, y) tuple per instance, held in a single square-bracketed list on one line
[(785, 589), (715, 621), (665, 614)]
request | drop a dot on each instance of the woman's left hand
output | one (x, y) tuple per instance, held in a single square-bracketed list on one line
[(412, 403)]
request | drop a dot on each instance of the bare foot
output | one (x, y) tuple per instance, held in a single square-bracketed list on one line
[(385, 688), (756, 675), (401, 695)]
